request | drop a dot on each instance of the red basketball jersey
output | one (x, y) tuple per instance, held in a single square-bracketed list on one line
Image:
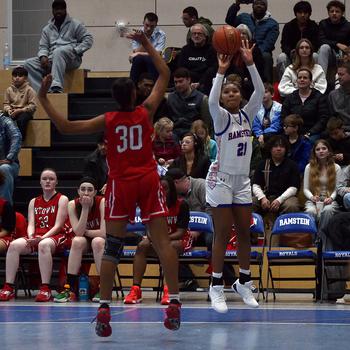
[(129, 139), (94, 218), (172, 217), (45, 213)]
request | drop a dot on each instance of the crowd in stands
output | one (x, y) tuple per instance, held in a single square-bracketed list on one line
[(300, 135)]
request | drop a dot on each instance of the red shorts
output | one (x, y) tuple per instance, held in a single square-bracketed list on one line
[(146, 192), (59, 240), (7, 240)]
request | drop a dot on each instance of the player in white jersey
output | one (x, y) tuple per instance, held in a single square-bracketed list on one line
[(228, 188)]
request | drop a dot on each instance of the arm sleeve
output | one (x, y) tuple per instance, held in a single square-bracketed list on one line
[(232, 14), (287, 83), (257, 127), (31, 102), (323, 115), (7, 102), (269, 42), (44, 44), (160, 44), (342, 184), (258, 192), (16, 140), (308, 194), (289, 192), (84, 38), (338, 179), (320, 81)]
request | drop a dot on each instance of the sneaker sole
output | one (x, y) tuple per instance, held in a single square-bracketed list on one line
[(253, 306)]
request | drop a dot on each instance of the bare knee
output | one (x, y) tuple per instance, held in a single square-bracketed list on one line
[(45, 247), (97, 244), (78, 243)]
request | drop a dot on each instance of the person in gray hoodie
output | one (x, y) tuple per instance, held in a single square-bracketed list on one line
[(62, 44)]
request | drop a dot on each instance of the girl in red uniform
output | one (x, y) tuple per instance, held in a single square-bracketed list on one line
[(86, 216), (132, 180), (178, 218), (46, 217)]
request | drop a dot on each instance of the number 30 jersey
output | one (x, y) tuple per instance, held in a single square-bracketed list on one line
[(129, 141)]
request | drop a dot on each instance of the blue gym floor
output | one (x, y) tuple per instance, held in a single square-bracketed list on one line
[(299, 324)]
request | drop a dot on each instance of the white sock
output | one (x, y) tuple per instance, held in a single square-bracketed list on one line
[(174, 297), (246, 272), (217, 274)]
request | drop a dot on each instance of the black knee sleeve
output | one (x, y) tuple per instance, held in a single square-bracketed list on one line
[(113, 248)]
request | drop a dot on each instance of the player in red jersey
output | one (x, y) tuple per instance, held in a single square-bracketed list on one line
[(179, 234), (7, 221), (46, 217), (132, 180), (86, 216)]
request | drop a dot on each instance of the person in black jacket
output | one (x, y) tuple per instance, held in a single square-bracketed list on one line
[(300, 27), (309, 103), (334, 34)]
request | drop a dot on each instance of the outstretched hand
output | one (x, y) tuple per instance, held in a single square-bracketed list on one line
[(224, 62), (137, 35), (45, 85), (247, 53)]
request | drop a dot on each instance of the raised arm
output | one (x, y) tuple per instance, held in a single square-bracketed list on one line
[(153, 100), (61, 121)]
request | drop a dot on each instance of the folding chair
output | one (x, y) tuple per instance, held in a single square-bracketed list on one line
[(293, 224), (257, 253)]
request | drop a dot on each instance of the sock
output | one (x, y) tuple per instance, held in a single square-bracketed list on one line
[(217, 279), (243, 276), (72, 280), (174, 298), (104, 304), (137, 285), (45, 285)]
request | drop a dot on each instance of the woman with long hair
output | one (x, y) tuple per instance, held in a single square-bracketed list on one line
[(321, 176), (303, 59), (192, 160)]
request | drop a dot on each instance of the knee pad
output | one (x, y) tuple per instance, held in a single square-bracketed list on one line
[(113, 248)]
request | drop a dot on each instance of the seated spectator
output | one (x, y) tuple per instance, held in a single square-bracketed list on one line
[(47, 214), (263, 27), (321, 179), (338, 99), (62, 44), (238, 68), (299, 145), (140, 60), (86, 216), (201, 130), (276, 181), (339, 140), (19, 101), (268, 120), (185, 105), (343, 188), (166, 147), (178, 219), (303, 59), (198, 55), (143, 90), (299, 27), (334, 31), (10, 145), (95, 165), (190, 18), (193, 160), (309, 103), (7, 221)]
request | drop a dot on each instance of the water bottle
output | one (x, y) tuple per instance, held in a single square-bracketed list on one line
[(6, 58), (83, 287)]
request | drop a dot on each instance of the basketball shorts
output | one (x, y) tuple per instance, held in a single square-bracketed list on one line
[(226, 190), (59, 241), (123, 196)]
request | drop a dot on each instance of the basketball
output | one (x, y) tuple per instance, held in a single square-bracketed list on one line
[(227, 40)]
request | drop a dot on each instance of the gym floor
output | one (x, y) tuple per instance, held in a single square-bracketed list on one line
[(292, 322)]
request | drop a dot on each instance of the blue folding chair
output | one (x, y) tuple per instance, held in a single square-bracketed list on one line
[(293, 224)]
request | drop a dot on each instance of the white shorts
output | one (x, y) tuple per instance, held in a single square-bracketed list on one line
[(226, 190)]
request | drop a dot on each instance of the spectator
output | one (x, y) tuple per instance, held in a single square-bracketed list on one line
[(7, 221), (321, 179), (10, 145), (143, 90), (201, 130), (95, 165), (263, 27), (339, 140), (185, 105), (309, 103), (334, 31), (166, 147), (268, 120), (276, 181), (140, 60), (193, 160), (86, 215), (343, 188), (178, 219), (303, 59), (46, 217), (299, 145), (198, 55), (339, 98), (190, 17), (62, 44), (299, 27), (19, 102)]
